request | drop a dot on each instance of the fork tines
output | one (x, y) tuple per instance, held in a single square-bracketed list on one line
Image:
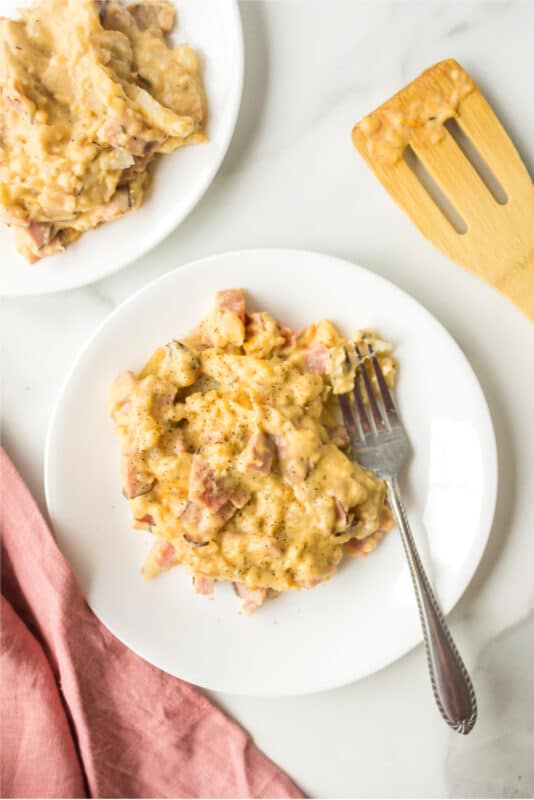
[(363, 425)]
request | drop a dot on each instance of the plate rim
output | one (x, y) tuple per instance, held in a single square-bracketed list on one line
[(165, 231), (492, 463)]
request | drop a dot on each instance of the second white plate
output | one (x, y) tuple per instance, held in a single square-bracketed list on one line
[(213, 28), (366, 616)]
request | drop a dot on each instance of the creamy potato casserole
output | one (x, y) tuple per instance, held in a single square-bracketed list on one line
[(234, 457), (90, 93)]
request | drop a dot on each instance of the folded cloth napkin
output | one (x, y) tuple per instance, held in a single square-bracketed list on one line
[(83, 716)]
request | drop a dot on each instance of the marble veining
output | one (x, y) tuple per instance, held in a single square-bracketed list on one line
[(293, 179)]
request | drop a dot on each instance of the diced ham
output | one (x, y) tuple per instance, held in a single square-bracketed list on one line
[(145, 522), (119, 204), (200, 524), (288, 334), (256, 322), (205, 488), (203, 585), (166, 555), (225, 512), (136, 146), (280, 442), (341, 517), (162, 556), (135, 480), (317, 358), (193, 520), (122, 388), (41, 233), (259, 453), (26, 244), (252, 598), (232, 300)]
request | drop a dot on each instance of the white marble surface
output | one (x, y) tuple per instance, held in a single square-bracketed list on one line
[(292, 179)]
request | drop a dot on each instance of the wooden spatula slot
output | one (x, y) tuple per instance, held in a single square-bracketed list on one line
[(442, 154), (477, 162), (435, 193)]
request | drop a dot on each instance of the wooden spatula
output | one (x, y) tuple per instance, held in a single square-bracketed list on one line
[(498, 239)]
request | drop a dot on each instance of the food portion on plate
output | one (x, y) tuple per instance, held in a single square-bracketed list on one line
[(235, 458), (91, 92)]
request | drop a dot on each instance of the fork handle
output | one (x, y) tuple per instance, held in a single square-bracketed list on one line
[(451, 684)]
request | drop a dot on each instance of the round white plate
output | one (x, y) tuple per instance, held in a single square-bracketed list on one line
[(365, 617), (213, 28)]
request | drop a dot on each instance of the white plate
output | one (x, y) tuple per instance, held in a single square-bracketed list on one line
[(365, 617), (212, 27)]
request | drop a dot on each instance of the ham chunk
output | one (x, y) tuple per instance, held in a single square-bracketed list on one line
[(162, 556), (205, 489), (232, 300), (41, 233), (27, 242), (200, 524), (203, 585), (317, 359), (224, 513), (252, 598), (144, 523), (226, 324), (288, 335), (280, 443), (341, 517), (195, 521), (259, 454)]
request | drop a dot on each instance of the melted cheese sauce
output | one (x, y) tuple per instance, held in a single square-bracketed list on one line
[(90, 94), (233, 452), (390, 128)]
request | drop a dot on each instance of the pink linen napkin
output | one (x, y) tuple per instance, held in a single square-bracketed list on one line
[(84, 716)]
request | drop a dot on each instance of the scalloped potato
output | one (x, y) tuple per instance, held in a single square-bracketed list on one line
[(90, 93), (234, 457)]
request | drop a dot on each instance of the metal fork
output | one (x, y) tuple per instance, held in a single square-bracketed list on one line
[(379, 443)]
